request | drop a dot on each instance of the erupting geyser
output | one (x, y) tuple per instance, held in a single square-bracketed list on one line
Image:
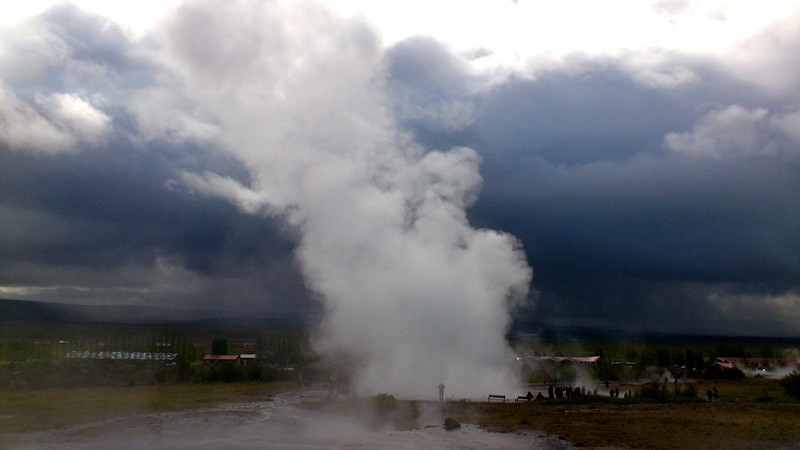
[(407, 284)]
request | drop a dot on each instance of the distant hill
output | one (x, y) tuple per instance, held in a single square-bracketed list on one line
[(160, 315), (137, 314)]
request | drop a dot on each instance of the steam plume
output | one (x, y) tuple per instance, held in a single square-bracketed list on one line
[(406, 283)]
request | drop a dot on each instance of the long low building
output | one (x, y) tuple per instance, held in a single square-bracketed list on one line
[(573, 359), (242, 359), (729, 362), (127, 356), (208, 359)]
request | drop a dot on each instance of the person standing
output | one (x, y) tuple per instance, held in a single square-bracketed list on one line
[(441, 392)]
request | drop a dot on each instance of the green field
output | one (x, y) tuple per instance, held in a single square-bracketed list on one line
[(40, 355), (55, 408), (43, 389)]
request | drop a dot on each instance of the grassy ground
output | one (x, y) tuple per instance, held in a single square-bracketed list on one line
[(645, 425), (31, 410), (749, 414)]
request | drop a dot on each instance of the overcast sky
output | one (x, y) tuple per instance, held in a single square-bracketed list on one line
[(644, 154)]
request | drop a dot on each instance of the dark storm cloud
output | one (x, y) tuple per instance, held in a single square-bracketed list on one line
[(103, 221), (611, 239), (659, 197), (589, 109), (112, 212), (625, 218)]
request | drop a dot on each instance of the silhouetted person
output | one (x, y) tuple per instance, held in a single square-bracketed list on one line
[(550, 391), (710, 395), (716, 394), (441, 392), (539, 396), (529, 396)]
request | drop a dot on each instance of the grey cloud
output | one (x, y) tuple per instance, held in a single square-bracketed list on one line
[(67, 74), (610, 238), (90, 216), (104, 222), (769, 60), (735, 132), (596, 165), (68, 50), (430, 86), (23, 127), (626, 220), (671, 6)]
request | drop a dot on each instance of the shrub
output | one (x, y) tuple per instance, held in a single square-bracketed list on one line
[(723, 373), (655, 391), (791, 384), (689, 390), (451, 424), (765, 397), (225, 371), (384, 402)]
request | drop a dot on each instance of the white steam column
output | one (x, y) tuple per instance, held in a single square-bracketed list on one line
[(408, 286)]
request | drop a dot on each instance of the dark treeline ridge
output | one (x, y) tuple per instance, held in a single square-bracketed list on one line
[(24, 310)]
